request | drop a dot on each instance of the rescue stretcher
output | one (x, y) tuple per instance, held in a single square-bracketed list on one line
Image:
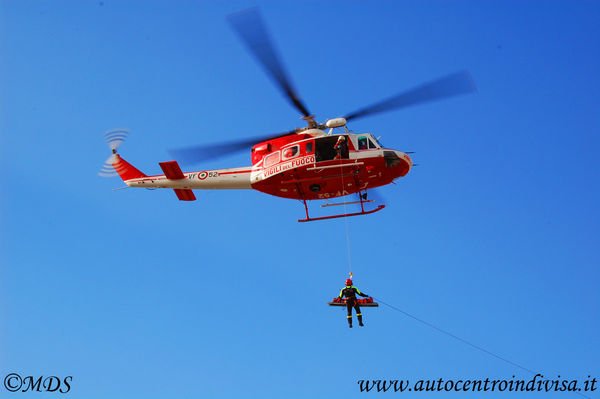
[(364, 302)]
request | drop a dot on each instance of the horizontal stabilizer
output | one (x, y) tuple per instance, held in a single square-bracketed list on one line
[(172, 171), (184, 194)]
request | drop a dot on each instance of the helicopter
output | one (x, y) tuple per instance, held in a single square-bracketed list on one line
[(320, 161)]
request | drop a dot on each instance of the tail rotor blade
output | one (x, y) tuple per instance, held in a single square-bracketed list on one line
[(114, 138), (251, 30), (107, 169), (448, 86)]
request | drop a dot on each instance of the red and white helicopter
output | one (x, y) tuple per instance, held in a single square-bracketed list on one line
[(316, 162)]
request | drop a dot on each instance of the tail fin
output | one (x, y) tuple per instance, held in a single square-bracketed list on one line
[(125, 169)]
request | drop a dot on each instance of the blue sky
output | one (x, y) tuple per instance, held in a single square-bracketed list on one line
[(493, 237)]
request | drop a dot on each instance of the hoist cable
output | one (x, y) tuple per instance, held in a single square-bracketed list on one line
[(346, 219), (348, 242)]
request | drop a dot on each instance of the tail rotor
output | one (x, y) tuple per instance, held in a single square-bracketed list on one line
[(114, 138)]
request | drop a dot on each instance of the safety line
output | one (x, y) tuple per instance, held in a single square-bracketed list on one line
[(464, 341), (455, 337)]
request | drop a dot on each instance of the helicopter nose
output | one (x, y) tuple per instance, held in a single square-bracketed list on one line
[(404, 156), (407, 162), (398, 160)]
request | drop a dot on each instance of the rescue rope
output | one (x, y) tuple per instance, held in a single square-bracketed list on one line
[(464, 341), (454, 336)]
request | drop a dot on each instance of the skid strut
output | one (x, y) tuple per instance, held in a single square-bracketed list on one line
[(362, 200), (309, 219)]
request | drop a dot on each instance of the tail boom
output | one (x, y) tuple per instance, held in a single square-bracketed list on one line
[(218, 179)]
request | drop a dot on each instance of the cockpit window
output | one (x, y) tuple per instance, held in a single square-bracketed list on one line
[(362, 142), (371, 145), (271, 159), (291, 152)]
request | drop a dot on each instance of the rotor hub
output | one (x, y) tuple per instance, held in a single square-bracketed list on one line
[(312, 123)]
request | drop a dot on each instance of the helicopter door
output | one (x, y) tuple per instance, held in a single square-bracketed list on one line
[(324, 150)]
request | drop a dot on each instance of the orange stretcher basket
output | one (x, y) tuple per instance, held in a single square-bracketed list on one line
[(364, 302)]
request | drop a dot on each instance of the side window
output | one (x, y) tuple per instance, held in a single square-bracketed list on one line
[(309, 148), (291, 152), (371, 144), (362, 143), (271, 159)]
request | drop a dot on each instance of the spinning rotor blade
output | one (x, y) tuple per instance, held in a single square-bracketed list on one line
[(107, 169), (448, 86), (196, 154), (249, 26), (114, 138)]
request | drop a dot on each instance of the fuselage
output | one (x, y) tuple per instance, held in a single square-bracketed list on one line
[(303, 166)]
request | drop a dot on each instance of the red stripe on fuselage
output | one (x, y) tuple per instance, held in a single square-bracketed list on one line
[(232, 173)]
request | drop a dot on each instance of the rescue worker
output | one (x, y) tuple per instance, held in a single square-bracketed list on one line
[(349, 291), (339, 147)]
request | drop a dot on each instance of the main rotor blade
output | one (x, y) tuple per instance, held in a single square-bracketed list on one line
[(199, 153), (448, 86), (249, 26)]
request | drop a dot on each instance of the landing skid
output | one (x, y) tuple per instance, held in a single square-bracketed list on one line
[(343, 215), (362, 200)]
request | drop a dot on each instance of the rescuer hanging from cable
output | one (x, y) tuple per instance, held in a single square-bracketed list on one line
[(350, 291)]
